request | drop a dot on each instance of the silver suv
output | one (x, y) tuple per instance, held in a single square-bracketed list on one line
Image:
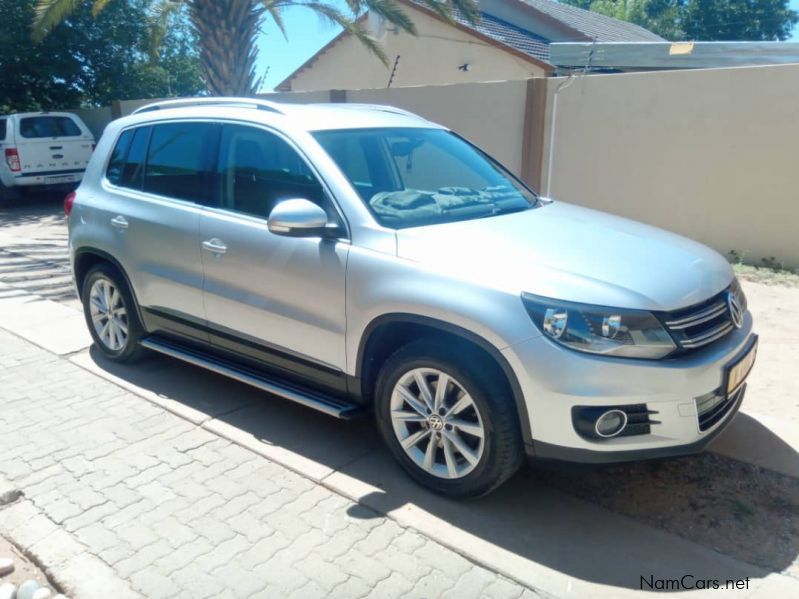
[(359, 259)]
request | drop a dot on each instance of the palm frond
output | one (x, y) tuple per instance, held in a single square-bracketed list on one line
[(159, 14), (98, 6), (391, 12), (468, 9), (275, 10), (332, 15), (50, 13)]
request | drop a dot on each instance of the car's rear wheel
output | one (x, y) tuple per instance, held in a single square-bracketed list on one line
[(453, 428), (111, 315)]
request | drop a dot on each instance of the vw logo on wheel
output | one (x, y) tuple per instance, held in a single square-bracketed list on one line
[(736, 310)]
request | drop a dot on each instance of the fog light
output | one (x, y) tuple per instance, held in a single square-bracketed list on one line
[(611, 423)]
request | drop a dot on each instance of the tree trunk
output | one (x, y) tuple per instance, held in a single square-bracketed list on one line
[(227, 31)]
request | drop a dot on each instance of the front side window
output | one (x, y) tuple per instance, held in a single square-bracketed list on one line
[(48, 126), (258, 169), (410, 177), (178, 160)]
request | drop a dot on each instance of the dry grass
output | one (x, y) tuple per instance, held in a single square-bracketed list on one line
[(738, 509)]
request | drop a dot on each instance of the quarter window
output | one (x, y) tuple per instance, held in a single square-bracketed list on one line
[(177, 161), (133, 171), (2, 129), (257, 169), (116, 165)]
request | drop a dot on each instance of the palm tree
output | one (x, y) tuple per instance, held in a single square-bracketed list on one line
[(227, 30)]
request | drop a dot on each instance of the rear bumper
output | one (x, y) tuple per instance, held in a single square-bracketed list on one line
[(45, 180)]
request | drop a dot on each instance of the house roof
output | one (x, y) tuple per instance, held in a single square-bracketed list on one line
[(510, 35), (582, 24), (591, 24)]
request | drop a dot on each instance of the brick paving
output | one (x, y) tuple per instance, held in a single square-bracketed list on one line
[(154, 506)]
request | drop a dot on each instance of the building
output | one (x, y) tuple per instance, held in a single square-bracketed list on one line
[(511, 41)]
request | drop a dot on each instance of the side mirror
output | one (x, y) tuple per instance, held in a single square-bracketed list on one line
[(300, 218)]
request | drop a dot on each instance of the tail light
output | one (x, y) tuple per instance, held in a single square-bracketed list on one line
[(69, 201), (12, 159)]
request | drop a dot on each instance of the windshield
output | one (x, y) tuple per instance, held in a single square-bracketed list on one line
[(411, 177)]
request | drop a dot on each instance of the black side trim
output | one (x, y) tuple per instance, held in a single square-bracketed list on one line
[(549, 451), (399, 317), (48, 173), (323, 403), (247, 351)]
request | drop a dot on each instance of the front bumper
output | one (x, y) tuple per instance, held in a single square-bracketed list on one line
[(554, 379)]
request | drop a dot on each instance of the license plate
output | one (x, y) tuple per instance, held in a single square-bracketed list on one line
[(737, 372), (61, 179)]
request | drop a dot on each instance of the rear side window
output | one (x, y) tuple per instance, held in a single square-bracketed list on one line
[(178, 161), (116, 165), (2, 129), (48, 126), (133, 170)]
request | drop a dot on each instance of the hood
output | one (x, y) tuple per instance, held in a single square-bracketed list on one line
[(575, 254)]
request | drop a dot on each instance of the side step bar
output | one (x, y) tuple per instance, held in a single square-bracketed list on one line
[(312, 399)]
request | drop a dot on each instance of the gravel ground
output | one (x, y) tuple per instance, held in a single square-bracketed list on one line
[(735, 508), (24, 569)]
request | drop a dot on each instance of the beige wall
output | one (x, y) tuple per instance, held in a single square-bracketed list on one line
[(488, 114), (431, 58), (711, 154)]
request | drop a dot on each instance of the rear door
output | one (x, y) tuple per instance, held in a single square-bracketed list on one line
[(53, 147), (156, 182)]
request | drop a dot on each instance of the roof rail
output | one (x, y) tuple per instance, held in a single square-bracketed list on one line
[(378, 107), (238, 102)]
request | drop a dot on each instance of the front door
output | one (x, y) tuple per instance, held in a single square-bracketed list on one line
[(274, 298)]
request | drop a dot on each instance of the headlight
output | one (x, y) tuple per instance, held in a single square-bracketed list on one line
[(600, 330)]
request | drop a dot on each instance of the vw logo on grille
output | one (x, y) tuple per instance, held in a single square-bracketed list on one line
[(736, 309)]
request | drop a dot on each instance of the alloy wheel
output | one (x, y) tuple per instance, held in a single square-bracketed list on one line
[(109, 315), (437, 423)]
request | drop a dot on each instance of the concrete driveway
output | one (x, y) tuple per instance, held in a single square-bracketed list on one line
[(549, 529)]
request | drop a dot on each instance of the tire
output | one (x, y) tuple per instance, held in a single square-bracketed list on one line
[(492, 413), (108, 334)]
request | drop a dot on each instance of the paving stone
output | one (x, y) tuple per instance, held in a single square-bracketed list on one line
[(471, 584), (352, 588), (327, 575), (153, 506), (502, 588)]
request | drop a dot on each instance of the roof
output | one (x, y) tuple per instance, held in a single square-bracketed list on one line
[(495, 31), (303, 117), (509, 35), (595, 26)]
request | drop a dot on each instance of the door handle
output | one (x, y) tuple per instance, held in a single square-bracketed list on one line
[(214, 246), (119, 222)]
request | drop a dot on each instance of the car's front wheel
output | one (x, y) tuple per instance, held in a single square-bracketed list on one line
[(453, 427), (111, 315)]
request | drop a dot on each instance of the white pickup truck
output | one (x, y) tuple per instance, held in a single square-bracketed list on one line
[(42, 151)]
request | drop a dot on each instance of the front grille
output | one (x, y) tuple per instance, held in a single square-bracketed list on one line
[(702, 324), (713, 406)]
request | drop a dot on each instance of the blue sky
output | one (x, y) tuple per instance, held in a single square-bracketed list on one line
[(306, 35)]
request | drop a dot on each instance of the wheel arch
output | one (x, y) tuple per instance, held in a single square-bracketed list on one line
[(87, 257), (388, 332)]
